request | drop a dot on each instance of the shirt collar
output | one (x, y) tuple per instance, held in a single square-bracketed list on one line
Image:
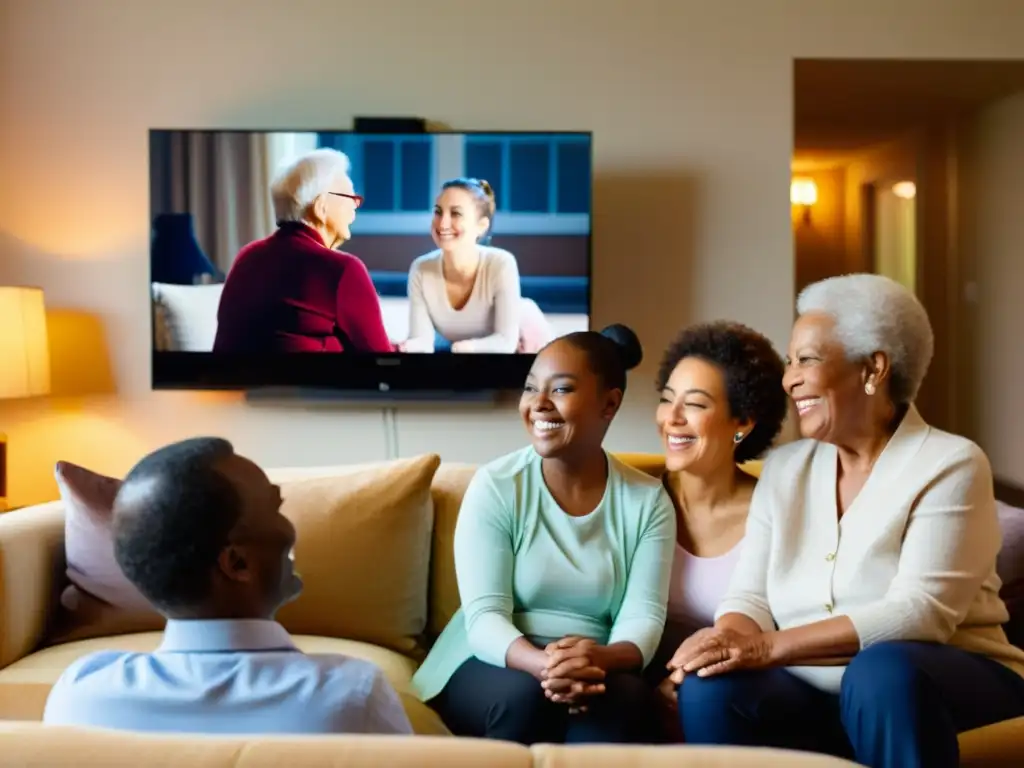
[(200, 635), (300, 229)]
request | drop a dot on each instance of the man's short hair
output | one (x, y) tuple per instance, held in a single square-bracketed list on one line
[(172, 519)]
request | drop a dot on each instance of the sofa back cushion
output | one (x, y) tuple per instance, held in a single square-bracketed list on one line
[(98, 600), (363, 550), (449, 487), (451, 482), (364, 536)]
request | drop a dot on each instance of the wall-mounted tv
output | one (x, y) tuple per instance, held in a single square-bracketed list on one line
[(335, 260)]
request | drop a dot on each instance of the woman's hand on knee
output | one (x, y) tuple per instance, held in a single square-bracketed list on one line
[(718, 651), (686, 653)]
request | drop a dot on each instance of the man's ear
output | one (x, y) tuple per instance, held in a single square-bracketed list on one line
[(234, 564)]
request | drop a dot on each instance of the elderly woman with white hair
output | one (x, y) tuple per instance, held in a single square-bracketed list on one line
[(293, 291), (863, 617)]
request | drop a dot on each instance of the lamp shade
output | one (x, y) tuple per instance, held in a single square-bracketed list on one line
[(24, 348)]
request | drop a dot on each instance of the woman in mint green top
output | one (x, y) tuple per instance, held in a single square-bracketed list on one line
[(563, 556)]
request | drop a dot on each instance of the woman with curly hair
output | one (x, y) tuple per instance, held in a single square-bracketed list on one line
[(722, 404)]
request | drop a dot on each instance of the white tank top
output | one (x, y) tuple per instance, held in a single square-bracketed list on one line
[(698, 585)]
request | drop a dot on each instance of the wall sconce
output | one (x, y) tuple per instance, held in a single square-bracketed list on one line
[(803, 192), (907, 190)]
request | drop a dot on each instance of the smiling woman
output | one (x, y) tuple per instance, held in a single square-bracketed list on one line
[(563, 556), (871, 545), (721, 405), (466, 295)]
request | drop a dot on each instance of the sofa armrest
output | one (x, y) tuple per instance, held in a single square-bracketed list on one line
[(31, 559)]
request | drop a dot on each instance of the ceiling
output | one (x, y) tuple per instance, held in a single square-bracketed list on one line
[(842, 105)]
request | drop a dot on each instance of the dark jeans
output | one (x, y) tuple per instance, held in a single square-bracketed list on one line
[(901, 705), (485, 701)]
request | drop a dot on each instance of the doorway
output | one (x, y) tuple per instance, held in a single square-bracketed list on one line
[(916, 175)]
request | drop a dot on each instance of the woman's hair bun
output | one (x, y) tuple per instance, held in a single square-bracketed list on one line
[(631, 352)]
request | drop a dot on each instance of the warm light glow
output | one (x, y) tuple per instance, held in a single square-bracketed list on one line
[(24, 348), (905, 189), (803, 192)]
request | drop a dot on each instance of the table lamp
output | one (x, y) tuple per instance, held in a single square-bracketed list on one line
[(24, 355)]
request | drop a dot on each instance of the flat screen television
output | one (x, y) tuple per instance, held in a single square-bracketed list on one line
[(247, 292)]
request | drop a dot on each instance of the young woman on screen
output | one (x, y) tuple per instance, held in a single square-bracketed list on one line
[(466, 294)]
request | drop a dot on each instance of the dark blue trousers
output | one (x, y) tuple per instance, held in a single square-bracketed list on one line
[(901, 705)]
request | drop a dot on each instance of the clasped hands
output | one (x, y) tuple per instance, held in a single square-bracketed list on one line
[(575, 670), (716, 650)]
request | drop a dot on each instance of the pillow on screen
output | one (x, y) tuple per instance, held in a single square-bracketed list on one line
[(99, 600)]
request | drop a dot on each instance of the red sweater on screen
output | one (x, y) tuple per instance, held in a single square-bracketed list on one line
[(291, 293)]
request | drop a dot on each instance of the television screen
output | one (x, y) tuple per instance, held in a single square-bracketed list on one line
[(345, 260)]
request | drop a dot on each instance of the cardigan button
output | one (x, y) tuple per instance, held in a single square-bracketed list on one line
[(828, 607), (830, 557)]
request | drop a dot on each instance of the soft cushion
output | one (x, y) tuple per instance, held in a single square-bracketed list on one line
[(99, 599), (449, 487), (186, 316), (363, 550), (25, 684)]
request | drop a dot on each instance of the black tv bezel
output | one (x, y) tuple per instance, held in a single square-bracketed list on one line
[(379, 373)]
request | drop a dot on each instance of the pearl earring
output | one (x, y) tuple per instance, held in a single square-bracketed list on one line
[(738, 437), (869, 388)]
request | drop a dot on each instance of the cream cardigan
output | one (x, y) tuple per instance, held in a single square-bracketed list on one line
[(913, 558)]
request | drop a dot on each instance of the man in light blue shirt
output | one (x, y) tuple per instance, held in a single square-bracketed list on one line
[(198, 529)]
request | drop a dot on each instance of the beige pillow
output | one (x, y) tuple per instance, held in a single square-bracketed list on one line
[(363, 550), (450, 485), (99, 600)]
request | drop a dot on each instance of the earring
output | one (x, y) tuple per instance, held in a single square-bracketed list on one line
[(869, 388), (738, 437)]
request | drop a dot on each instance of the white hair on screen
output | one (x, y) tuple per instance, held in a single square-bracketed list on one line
[(873, 314), (302, 181)]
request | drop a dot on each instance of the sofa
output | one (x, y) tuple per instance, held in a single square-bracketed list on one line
[(185, 316), (375, 551)]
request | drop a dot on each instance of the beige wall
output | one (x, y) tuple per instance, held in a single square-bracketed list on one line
[(690, 102), (994, 252)]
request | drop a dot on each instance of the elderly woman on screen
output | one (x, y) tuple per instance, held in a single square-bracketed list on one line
[(294, 291), (875, 538)]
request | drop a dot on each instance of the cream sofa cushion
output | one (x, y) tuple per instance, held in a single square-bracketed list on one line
[(35, 745), (32, 745), (363, 550), (449, 487), (25, 684)]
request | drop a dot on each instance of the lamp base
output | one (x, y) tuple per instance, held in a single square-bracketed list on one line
[(3, 472)]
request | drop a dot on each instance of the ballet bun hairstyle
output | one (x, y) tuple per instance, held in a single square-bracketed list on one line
[(483, 196), (611, 352)]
